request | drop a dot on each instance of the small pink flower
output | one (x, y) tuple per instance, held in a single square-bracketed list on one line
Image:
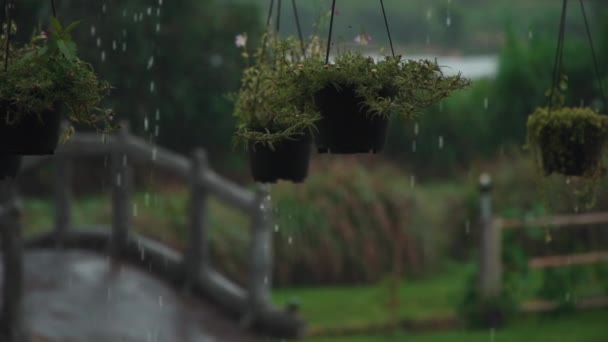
[(241, 40), (363, 39)]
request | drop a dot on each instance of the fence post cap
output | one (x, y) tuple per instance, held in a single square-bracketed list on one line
[(485, 182)]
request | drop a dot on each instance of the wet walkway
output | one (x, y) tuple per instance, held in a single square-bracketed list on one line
[(78, 296)]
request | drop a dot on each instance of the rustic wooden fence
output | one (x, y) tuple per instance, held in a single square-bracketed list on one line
[(490, 263), (192, 270)]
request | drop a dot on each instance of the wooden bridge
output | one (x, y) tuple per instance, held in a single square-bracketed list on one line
[(244, 313)]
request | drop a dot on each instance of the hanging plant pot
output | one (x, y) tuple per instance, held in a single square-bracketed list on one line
[(345, 126), (569, 141), (33, 134), (9, 165), (287, 161)]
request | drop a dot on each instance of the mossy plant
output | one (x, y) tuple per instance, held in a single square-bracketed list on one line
[(567, 140), (46, 75)]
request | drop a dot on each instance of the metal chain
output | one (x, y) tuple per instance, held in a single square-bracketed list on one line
[(558, 53), (597, 69)]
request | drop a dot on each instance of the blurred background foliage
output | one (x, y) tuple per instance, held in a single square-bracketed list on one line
[(343, 226)]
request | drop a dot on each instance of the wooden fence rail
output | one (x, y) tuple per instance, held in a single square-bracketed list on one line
[(490, 262), (252, 303)]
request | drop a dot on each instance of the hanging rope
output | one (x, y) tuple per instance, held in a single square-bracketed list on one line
[(558, 53), (388, 31), (597, 69), (278, 27), (331, 27), (8, 5), (53, 8), (297, 17)]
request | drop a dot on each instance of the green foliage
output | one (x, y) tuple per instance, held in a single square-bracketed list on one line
[(392, 86), (270, 106), (46, 76)]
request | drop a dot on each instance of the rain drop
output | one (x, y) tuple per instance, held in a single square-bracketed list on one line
[(103, 56), (124, 160), (440, 142), (429, 14), (266, 280), (157, 27), (160, 2), (141, 16), (416, 129), (276, 228), (530, 34), (154, 151), (134, 209), (448, 21), (98, 42), (114, 45), (146, 124), (290, 240), (156, 131), (485, 103), (412, 181), (157, 114), (150, 62), (413, 145), (118, 180), (152, 86), (135, 17), (149, 11), (93, 31), (103, 8), (124, 46)]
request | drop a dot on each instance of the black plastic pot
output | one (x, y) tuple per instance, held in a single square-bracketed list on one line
[(288, 161), (30, 136), (9, 165), (570, 158), (345, 126)]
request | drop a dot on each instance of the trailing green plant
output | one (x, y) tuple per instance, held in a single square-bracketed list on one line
[(46, 74), (269, 106), (390, 86)]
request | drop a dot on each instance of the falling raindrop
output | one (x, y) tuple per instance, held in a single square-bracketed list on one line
[(124, 32), (530, 34), (103, 8), (154, 151), (448, 21), (124, 160), (276, 228), (134, 209), (150, 62), (141, 16), (135, 17), (146, 123), (160, 2), (158, 12), (124, 46), (103, 56), (412, 181), (93, 31), (157, 27), (152, 86), (124, 13), (429, 14), (413, 145), (290, 240), (266, 280), (156, 131), (118, 180), (157, 114), (149, 11), (440, 142), (485, 103), (98, 42), (114, 45)]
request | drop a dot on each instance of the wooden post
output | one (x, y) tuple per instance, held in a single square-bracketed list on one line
[(11, 319), (63, 195), (197, 258), (121, 185), (490, 263), (260, 252)]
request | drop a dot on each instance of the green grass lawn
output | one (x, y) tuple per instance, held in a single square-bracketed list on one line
[(588, 326)]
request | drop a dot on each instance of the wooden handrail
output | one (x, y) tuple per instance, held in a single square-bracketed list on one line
[(567, 260), (570, 221)]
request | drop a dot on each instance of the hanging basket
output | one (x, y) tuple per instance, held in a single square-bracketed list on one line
[(9, 165), (33, 134), (287, 161), (569, 141), (346, 127)]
